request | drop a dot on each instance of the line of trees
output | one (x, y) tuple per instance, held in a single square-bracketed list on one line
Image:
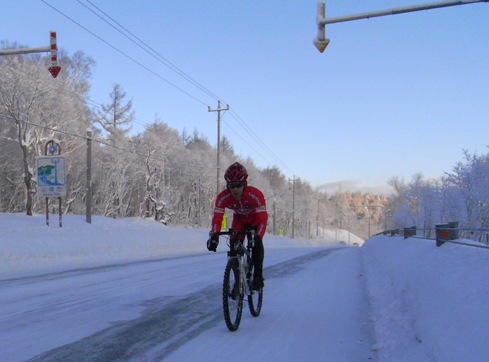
[(159, 173), (460, 195), (170, 176)]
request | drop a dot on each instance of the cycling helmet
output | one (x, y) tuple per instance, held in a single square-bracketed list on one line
[(236, 173)]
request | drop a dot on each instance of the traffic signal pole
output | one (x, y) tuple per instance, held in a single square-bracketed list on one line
[(321, 42), (53, 48)]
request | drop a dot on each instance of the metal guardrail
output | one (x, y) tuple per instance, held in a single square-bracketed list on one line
[(446, 233)]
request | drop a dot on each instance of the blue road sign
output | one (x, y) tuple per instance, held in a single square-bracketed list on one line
[(51, 176)]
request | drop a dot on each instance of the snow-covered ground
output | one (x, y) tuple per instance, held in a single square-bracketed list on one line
[(134, 289)]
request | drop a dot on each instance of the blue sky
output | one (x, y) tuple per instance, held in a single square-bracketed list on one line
[(390, 96)]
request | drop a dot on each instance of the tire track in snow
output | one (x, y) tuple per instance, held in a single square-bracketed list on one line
[(165, 324)]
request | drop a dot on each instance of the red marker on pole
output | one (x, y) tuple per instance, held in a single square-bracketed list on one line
[(54, 68)]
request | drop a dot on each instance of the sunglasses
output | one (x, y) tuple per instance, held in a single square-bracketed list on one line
[(235, 185)]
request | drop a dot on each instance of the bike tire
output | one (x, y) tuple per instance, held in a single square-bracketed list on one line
[(232, 305), (255, 301)]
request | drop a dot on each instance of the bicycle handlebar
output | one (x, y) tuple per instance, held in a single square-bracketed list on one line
[(248, 232)]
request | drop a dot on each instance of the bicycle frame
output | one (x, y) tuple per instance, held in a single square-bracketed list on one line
[(242, 254), (238, 251)]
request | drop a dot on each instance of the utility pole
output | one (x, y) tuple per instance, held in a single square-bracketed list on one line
[(294, 180), (88, 207), (199, 211), (317, 221), (218, 110), (274, 215)]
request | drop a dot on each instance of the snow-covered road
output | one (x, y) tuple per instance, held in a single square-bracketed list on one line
[(171, 309), (301, 318), (133, 289)]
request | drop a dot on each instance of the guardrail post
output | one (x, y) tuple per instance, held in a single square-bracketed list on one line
[(410, 231), (442, 234), (446, 232)]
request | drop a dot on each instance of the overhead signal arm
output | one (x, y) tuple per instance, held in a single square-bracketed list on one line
[(54, 69), (321, 42)]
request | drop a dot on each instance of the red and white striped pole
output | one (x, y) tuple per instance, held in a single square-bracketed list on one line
[(54, 68)]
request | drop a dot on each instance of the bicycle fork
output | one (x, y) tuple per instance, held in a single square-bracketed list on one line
[(245, 266)]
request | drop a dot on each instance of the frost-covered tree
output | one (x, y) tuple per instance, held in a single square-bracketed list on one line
[(278, 201), (116, 116), (469, 178), (114, 193), (159, 143), (461, 195), (227, 148), (33, 106)]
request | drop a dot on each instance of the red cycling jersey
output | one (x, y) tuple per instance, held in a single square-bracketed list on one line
[(250, 209)]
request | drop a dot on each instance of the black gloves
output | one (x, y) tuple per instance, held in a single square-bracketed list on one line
[(213, 242)]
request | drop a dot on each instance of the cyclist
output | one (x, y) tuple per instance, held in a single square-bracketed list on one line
[(249, 207)]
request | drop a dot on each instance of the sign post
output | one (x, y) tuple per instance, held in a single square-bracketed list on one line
[(51, 176), (54, 69)]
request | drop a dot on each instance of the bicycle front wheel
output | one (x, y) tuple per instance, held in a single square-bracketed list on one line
[(232, 295)]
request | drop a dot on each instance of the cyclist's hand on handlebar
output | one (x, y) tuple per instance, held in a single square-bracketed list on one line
[(213, 242)]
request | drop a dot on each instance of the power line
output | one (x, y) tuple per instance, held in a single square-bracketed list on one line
[(57, 130), (126, 55), (148, 49), (258, 140), (258, 153), (48, 85)]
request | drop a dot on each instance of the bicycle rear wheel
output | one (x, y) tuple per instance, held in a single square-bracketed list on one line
[(232, 295), (255, 301)]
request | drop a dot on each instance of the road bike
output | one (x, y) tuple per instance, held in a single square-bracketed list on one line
[(237, 282)]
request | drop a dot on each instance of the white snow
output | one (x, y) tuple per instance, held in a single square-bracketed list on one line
[(388, 300)]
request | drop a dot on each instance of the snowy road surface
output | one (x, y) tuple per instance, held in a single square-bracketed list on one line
[(171, 310)]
